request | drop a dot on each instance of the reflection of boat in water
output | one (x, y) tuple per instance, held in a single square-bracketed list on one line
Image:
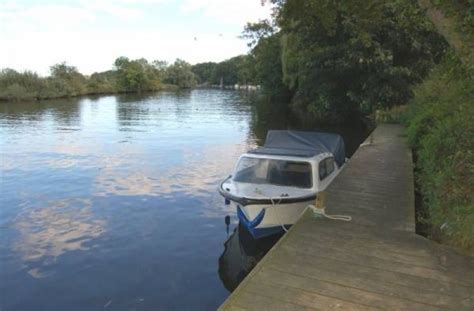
[(272, 185), (241, 253)]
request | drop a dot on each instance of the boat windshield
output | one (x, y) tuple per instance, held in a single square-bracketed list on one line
[(274, 172)]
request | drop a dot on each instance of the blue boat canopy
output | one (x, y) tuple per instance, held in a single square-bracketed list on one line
[(303, 144)]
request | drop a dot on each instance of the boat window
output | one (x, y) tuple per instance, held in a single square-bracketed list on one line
[(322, 170), (274, 172), (326, 167)]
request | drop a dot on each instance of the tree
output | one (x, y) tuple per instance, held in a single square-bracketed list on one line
[(204, 72), (266, 57), (136, 75), (66, 80), (340, 57), (20, 85), (180, 74)]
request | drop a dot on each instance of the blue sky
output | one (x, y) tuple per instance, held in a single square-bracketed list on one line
[(90, 34)]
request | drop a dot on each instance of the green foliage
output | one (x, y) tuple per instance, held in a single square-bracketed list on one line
[(339, 58), (454, 20), (180, 74), (236, 70), (66, 81), (464, 10), (204, 72), (268, 66), (441, 130), (228, 71), (256, 31), (395, 114), (19, 86), (136, 75), (246, 70), (102, 83)]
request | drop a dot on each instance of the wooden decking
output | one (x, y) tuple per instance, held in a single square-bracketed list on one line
[(375, 261)]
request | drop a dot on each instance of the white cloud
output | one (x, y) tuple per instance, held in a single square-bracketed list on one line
[(97, 51), (229, 11), (91, 34), (18, 19)]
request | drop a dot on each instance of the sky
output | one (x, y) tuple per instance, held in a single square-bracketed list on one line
[(91, 34)]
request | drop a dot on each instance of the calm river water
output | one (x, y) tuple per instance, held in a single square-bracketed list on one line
[(111, 202)]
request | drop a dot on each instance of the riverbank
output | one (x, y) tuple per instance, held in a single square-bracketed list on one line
[(127, 76), (37, 97), (163, 87)]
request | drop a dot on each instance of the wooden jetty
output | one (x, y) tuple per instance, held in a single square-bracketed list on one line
[(375, 261)]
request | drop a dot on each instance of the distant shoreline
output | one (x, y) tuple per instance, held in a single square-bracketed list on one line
[(164, 87)]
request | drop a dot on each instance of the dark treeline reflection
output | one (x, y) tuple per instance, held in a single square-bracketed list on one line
[(63, 112)]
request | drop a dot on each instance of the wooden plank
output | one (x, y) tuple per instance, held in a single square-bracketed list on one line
[(398, 242), (255, 301), (362, 250), (236, 308), (383, 250), (425, 274), (339, 291), (301, 297), (370, 282), (369, 273)]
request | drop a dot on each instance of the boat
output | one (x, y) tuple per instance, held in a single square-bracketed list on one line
[(272, 185)]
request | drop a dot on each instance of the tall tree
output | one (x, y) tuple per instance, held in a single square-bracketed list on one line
[(180, 74), (341, 57)]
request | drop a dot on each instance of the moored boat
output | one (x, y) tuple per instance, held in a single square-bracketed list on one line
[(272, 185)]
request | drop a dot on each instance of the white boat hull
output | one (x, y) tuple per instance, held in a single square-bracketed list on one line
[(273, 216)]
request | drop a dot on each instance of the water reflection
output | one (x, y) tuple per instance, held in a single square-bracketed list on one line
[(61, 226), (192, 172), (114, 199), (241, 254), (64, 113)]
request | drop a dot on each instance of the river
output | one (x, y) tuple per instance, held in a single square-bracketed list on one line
[(111, 202)]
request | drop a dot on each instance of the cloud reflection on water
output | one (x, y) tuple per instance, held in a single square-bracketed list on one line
[(196, 174), (48, 232)]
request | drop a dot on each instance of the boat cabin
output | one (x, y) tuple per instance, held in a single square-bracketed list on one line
[(290, 164), (313, 173)]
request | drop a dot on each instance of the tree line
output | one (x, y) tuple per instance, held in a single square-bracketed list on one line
[(127, 75), (332, 60), (236, 70)]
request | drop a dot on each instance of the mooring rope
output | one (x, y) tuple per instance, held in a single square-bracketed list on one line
[(316, 210), (322, 211)]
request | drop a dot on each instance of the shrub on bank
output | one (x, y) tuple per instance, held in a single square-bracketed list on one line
[(128, 76), (441, 132), (396, 114)]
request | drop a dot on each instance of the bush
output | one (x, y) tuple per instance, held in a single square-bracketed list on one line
[(19, 86), (441, 131), (396, 114)]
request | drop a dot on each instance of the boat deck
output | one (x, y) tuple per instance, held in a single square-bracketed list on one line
[(374, 261)]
